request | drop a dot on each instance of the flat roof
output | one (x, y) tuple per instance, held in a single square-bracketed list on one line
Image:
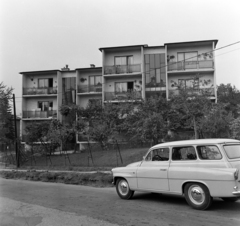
[(197, 142), (191, 42), (118, 47), (154, 46), (42, 72), (87, 68)]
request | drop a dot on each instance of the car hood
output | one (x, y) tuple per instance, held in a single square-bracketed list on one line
[(135, 164)]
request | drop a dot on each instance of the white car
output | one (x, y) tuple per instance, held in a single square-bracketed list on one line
[(198, 169)]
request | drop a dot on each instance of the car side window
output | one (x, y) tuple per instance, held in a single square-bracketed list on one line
[(209, 152), (184, 153), (159, 154)]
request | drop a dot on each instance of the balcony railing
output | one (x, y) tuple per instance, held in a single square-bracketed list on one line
[(40, 114), (82, 138), (154, 84), (122, 69), (203, 91), (130, 95), (39, 91), (190, 65), (89, 89)]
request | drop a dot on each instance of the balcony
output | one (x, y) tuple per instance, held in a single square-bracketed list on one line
[(190, 65), (89, 89), (203, 91), (122, 69), (40, 91), (82, 138), (119, 96), (40, 114)]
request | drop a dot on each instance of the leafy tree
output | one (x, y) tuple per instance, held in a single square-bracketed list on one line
[(59, 135), (190, 108), (37, 132), (148, 120), (230, 96), (235, 128), (216, 122), (7, 134)]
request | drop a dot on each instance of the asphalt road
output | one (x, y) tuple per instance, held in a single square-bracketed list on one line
[(38, 203)]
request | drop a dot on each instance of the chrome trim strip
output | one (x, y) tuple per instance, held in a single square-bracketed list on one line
[(236, 193)]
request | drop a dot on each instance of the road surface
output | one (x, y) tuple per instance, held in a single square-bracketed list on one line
[(48, 204)]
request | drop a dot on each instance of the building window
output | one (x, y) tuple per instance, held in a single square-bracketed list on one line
[(45, 82), (95, 80), (123, 86), (155, 70), (188, 83), (45, 105), (123, 60), (188, 56), (69, 90)]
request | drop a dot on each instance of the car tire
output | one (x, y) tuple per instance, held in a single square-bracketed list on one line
[(230, 199), (197, 196), (123, 189)]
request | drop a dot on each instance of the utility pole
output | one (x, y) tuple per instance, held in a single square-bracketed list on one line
[(15, 126)]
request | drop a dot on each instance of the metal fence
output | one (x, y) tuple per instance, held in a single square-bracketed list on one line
[(122, 69), (89, 89), (39, 114), (39, 91), (130, 95), (189, 65)]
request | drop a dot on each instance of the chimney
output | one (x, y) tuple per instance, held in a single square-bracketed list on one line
[(92, 65), (65, 68)]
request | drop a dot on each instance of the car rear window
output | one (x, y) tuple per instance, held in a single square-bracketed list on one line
[(184, 153), (209, 152), (232, 151)]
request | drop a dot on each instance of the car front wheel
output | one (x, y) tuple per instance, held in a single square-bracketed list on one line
[(123, 189), (197, 196)]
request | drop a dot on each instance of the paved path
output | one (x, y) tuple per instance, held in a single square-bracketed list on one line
[(38, 204), (15, 213)]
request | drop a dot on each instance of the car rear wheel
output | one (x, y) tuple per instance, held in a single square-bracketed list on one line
[(123, 189), (197, 196), (230, 199)]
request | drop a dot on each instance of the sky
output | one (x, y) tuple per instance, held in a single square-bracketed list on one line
[(48, 34)]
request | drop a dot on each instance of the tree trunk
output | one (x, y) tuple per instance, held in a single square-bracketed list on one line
[(195, 128)]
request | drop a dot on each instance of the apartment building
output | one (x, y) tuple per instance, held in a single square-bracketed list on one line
[(127, 73)]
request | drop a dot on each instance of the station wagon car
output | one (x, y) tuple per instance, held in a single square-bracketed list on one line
[(198, 169)]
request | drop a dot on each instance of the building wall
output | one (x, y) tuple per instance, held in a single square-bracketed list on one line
[(109, 56), (32, 103), (154, 50), (83, 100), (109, 86), (86, 75), (206, 80), (203, 48), (28, 83)]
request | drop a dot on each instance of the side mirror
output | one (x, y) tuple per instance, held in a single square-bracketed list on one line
[(144, 157)]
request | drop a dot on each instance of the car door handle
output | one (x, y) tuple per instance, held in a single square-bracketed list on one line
[(163, 169)]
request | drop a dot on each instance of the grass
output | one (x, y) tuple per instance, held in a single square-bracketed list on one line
[(90, 179), (102, 160), (56, 172)]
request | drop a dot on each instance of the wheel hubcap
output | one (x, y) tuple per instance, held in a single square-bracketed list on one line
[(123, 187), (196, 194)]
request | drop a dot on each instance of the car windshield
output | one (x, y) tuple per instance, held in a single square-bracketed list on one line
[(233, 151)]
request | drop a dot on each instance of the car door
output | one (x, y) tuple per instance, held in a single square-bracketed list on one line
[(152, 174)]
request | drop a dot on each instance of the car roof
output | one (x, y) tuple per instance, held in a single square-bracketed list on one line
[(197, 142)]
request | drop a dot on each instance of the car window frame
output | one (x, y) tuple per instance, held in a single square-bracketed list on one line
[(209, 159), (182, 160), (151, 151)]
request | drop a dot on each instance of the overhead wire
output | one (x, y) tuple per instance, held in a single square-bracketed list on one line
[(166, 65)]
